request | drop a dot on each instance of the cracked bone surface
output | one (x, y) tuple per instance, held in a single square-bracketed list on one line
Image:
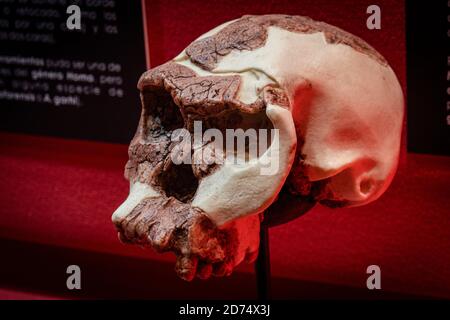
[(336, 108)]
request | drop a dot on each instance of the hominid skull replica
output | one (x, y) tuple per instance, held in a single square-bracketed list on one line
[(333, 101)]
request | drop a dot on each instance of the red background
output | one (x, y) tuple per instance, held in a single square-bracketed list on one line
[(57, 197)]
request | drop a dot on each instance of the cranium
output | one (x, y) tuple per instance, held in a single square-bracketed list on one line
[(337, 107)]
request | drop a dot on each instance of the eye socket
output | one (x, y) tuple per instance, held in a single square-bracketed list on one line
[(160, 111)]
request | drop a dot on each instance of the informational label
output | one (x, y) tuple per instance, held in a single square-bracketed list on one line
[(77, 81), (428, 72)]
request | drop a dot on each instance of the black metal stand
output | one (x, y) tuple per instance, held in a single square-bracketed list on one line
[(286, 209), (262, 265)]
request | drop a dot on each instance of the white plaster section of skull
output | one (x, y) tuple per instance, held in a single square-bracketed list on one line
[(236, 190), (352, 124), (138, 192)]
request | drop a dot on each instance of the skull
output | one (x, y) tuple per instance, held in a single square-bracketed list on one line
[(336, 108)]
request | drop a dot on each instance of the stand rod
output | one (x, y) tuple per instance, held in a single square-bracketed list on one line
[(262, 265)]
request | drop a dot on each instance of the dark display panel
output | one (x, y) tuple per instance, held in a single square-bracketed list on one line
[(71, 83), (428, 73)]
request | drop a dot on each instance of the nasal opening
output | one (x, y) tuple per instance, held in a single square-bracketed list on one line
[(179, 181)]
